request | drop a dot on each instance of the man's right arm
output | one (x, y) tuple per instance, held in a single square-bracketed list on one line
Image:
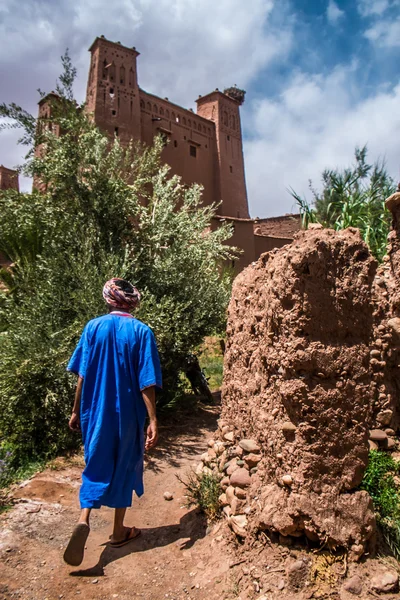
[(149, 398)]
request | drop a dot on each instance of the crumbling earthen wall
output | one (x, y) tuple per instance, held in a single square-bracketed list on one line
[(310, 384)]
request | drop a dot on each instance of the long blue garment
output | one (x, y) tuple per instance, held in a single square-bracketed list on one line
[(117, 358)]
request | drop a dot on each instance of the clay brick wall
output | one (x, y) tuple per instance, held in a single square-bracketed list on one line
[(191, 150), (264, 243), (242, 238), (8, 179), (286, 226)]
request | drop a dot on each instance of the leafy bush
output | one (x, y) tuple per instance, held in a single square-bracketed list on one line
[(379, 481), (106, 211), (354, 197)]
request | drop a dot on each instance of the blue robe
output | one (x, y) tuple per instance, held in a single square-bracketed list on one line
[(117, 358)]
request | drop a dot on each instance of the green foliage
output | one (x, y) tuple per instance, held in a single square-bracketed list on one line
[(203, 490), (353, 197), (379, 481), (106, 211), (212, 362)]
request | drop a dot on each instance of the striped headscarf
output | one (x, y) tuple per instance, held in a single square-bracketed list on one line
[(121, 294)]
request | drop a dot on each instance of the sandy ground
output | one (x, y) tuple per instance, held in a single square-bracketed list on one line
[(176, 557)]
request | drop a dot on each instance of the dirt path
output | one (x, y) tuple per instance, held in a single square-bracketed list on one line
[(176, 557)]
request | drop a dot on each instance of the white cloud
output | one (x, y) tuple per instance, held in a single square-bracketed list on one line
[(187, 47), (373, 7), (315, 123), (384, 33), (334, 13)]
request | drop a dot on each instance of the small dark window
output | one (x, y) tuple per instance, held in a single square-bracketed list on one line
[(193, 151), (228, 137), (111, 90), (175, 143), (114, 112), (230, 168), (116, 131)]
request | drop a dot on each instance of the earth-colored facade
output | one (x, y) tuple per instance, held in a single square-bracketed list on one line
[(203, 147)]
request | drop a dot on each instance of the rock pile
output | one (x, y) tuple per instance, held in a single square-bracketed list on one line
[(310, 380), (235, 465)]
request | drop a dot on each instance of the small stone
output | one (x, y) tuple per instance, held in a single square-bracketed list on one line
[(168, 496), (240, 478), (356, 552), (239, 524), (95, 581), (237, 506), (225, 482), (232, 468), (227, 511), (249, 445), (240, 463), (385, 583), (394, 324), (281, 584), (353, 585), (253, 470), (211, 443), (230, 463), (223, 500), (288, 427), (199, 468), (274, 411), (230, 494), (375, 354), (287, 480), (377, 435), (237, 451), (390, 444), (279, 456), (229, 437), (240, 493), (390, 432), (384, 417), (252, 460), (218, 448), (372, 445)]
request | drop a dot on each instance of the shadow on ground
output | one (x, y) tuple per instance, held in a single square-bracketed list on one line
[(191, 527)]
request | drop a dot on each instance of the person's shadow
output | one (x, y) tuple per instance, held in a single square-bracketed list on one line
[(191, 527)]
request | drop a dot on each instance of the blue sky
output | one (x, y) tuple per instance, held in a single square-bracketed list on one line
[(321, 76)]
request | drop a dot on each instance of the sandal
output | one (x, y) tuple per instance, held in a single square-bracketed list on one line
[(75, 550), (131, 534)]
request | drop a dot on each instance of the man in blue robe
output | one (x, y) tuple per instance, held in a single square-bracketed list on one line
[(118, 369)]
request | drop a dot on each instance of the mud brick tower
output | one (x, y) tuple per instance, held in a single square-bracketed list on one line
[(203, 147)]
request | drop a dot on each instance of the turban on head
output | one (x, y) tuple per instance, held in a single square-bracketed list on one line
[(121, 294)]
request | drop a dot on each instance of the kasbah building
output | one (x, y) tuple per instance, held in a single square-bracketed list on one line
[(204, 147)]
